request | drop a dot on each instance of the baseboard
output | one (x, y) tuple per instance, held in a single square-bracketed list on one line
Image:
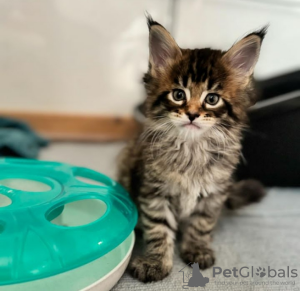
[(76, 127)]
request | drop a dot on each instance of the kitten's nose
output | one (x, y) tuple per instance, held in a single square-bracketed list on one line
[(192, 116)]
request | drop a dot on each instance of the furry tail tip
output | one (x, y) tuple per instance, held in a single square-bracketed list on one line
[(244, 193)]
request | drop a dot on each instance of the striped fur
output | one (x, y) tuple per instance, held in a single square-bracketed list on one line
[(179, 169)]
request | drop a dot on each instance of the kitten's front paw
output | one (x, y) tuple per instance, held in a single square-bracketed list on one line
[(148, 269), (203, 256)]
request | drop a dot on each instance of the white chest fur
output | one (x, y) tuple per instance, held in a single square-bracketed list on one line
[(187, 175)]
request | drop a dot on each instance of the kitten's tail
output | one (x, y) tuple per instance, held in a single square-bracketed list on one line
[(244, 193)]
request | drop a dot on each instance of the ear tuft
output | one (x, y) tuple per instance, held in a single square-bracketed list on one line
[(162, 47), (150, 21), (260, 33)]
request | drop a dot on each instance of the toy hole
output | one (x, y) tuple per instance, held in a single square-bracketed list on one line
[(89, 181), (4, 201), (25, 185), (78, 213)]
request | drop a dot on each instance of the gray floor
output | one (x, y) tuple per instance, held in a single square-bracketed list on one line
[(267, 234)]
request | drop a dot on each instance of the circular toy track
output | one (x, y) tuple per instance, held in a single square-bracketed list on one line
[(31, 247)]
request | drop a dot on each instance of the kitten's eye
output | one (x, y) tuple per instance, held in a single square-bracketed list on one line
[(212, 99), (179, 95)]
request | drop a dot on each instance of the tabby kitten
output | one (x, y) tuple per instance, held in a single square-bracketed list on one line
[(179, 169)]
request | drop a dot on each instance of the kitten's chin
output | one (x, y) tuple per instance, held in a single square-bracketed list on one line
[(191, 131), (192, 126)]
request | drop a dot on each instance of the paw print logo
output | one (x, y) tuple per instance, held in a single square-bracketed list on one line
[(261, 272)]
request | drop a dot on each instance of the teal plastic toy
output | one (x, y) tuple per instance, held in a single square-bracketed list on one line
[(31, 246)]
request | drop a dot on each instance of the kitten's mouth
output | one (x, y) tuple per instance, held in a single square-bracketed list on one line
[(191, 125)]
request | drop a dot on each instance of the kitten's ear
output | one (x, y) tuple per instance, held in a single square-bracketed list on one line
[(162, 46), (242, 56)]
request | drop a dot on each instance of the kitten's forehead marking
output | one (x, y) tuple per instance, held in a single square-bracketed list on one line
[(188, 81), (193, 88), (180, 81), (215, 86), (187, 94)]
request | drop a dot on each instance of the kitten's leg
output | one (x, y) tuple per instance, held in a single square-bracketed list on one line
[(196, 237), (159, 226)]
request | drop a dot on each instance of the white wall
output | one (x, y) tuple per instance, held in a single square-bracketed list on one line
[(88, 56), (82, 56)]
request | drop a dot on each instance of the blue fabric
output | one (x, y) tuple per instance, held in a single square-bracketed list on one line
[(17, 139)]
